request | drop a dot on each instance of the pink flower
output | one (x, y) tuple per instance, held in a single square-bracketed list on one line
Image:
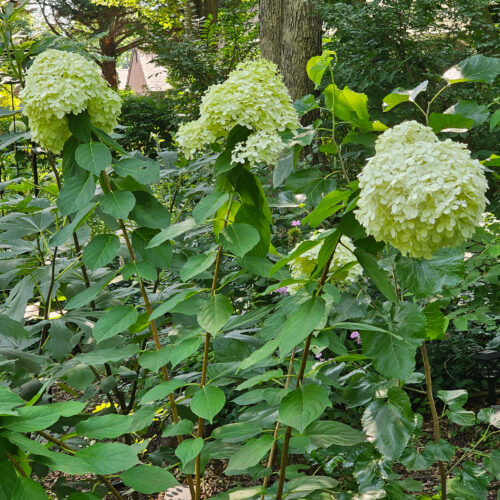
[(295, 223), (356, 337), (319, 356), (283, 290)]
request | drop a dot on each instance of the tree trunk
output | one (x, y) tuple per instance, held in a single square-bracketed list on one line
[(300, 41), (211, 9), (108, 67), (271, 29)]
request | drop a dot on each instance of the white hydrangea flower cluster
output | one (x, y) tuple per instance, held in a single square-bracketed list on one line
[(59, 83), (253, 96), (302, 266), (419, 193)]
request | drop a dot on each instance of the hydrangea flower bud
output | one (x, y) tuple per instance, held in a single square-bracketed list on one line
[(253, 96), (59, 83), (302, 266), (419, 193)]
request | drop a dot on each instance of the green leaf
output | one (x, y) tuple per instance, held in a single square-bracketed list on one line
[(426, 278), (197, 264), (142, 269), (149, 212), (470, 481), (260, 354), (208, 206), (162, 390), (207, 402), (101, 250), (89, 294), (476, 68), (189, 449), (492, 463), (76, 192), (393, 353), (118, 203), (145, 171), (77, 221), (8, 399), (448, 122), (109, 355), (179, 429), (223, 162), (111, 426), (329, 205), (304, 405), (441, 451), (183, 350), (214, 313), (471, 109), (108, 458), (160, 256), (283, 170), (172, 232), (27, 489), (392, 100), (379, 277), (235, 433), (325, 433), (436, 321), (301, 323), (93, 156), (171, 303), (115, 320), (250, 454), (12, 328), (494, 119), (154, 360), (389, 423), (258, 379), (239, 238), (80, 126), (148, 479), (317, 65), (461, 417)]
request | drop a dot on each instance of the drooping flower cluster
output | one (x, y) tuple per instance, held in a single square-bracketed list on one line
[(254, 96), (302, 266), (419, 193), (59, 83)]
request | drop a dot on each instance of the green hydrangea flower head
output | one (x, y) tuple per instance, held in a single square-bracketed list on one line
[(59, 83), (420, 194), (302, 266), (253, 96)]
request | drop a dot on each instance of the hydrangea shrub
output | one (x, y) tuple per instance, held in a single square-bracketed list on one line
[(253, 96), (419, 193), (59, 83)]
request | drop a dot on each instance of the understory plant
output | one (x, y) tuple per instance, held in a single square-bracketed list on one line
[(238, 306)]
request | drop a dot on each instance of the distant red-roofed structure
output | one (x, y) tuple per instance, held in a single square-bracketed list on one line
[(143, 75)]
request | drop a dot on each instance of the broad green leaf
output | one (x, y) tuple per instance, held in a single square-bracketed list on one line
[(393, 353), (392, 100), (162, 390), (171, 232), (301, 323), (27, 489), (476, 68), (448, 122), (283, 170), (239, 238), (80, 126), (139, 268), (76, 192), (108, 458), (155, 359), (148, 479), (93, 156), (492, 463), (145, 171), (214, 313), (223, 162), (304, 485), (258, 379), (108, 355), (376, 273), (235, 433), (250, 454), (114, 321), (111, 426), (89, 294), (441, 451), (304, 405), (494, 119), (471, 109), (8, 399), (149, 212), (262, 353), (170, 303), (189, 449), (79, 218), (101, 250), (197, 264), (389, 423), (182, 350), (436, 321), (12, 328), (426, 278), (160, 256), (325, 433), (180, 428), (208, 206), (470, 481), (317, 65), (329, 205), (461, 417), (490, 416), (207, 402), (118, 203)]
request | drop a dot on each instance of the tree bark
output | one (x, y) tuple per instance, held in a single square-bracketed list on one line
[(300, 41), (108, 67), (211, 9), (271, 29)]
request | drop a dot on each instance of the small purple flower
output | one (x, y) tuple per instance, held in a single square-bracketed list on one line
[(295, 223), (283, 290), (319, 356), (243, 312), (356, 337)]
